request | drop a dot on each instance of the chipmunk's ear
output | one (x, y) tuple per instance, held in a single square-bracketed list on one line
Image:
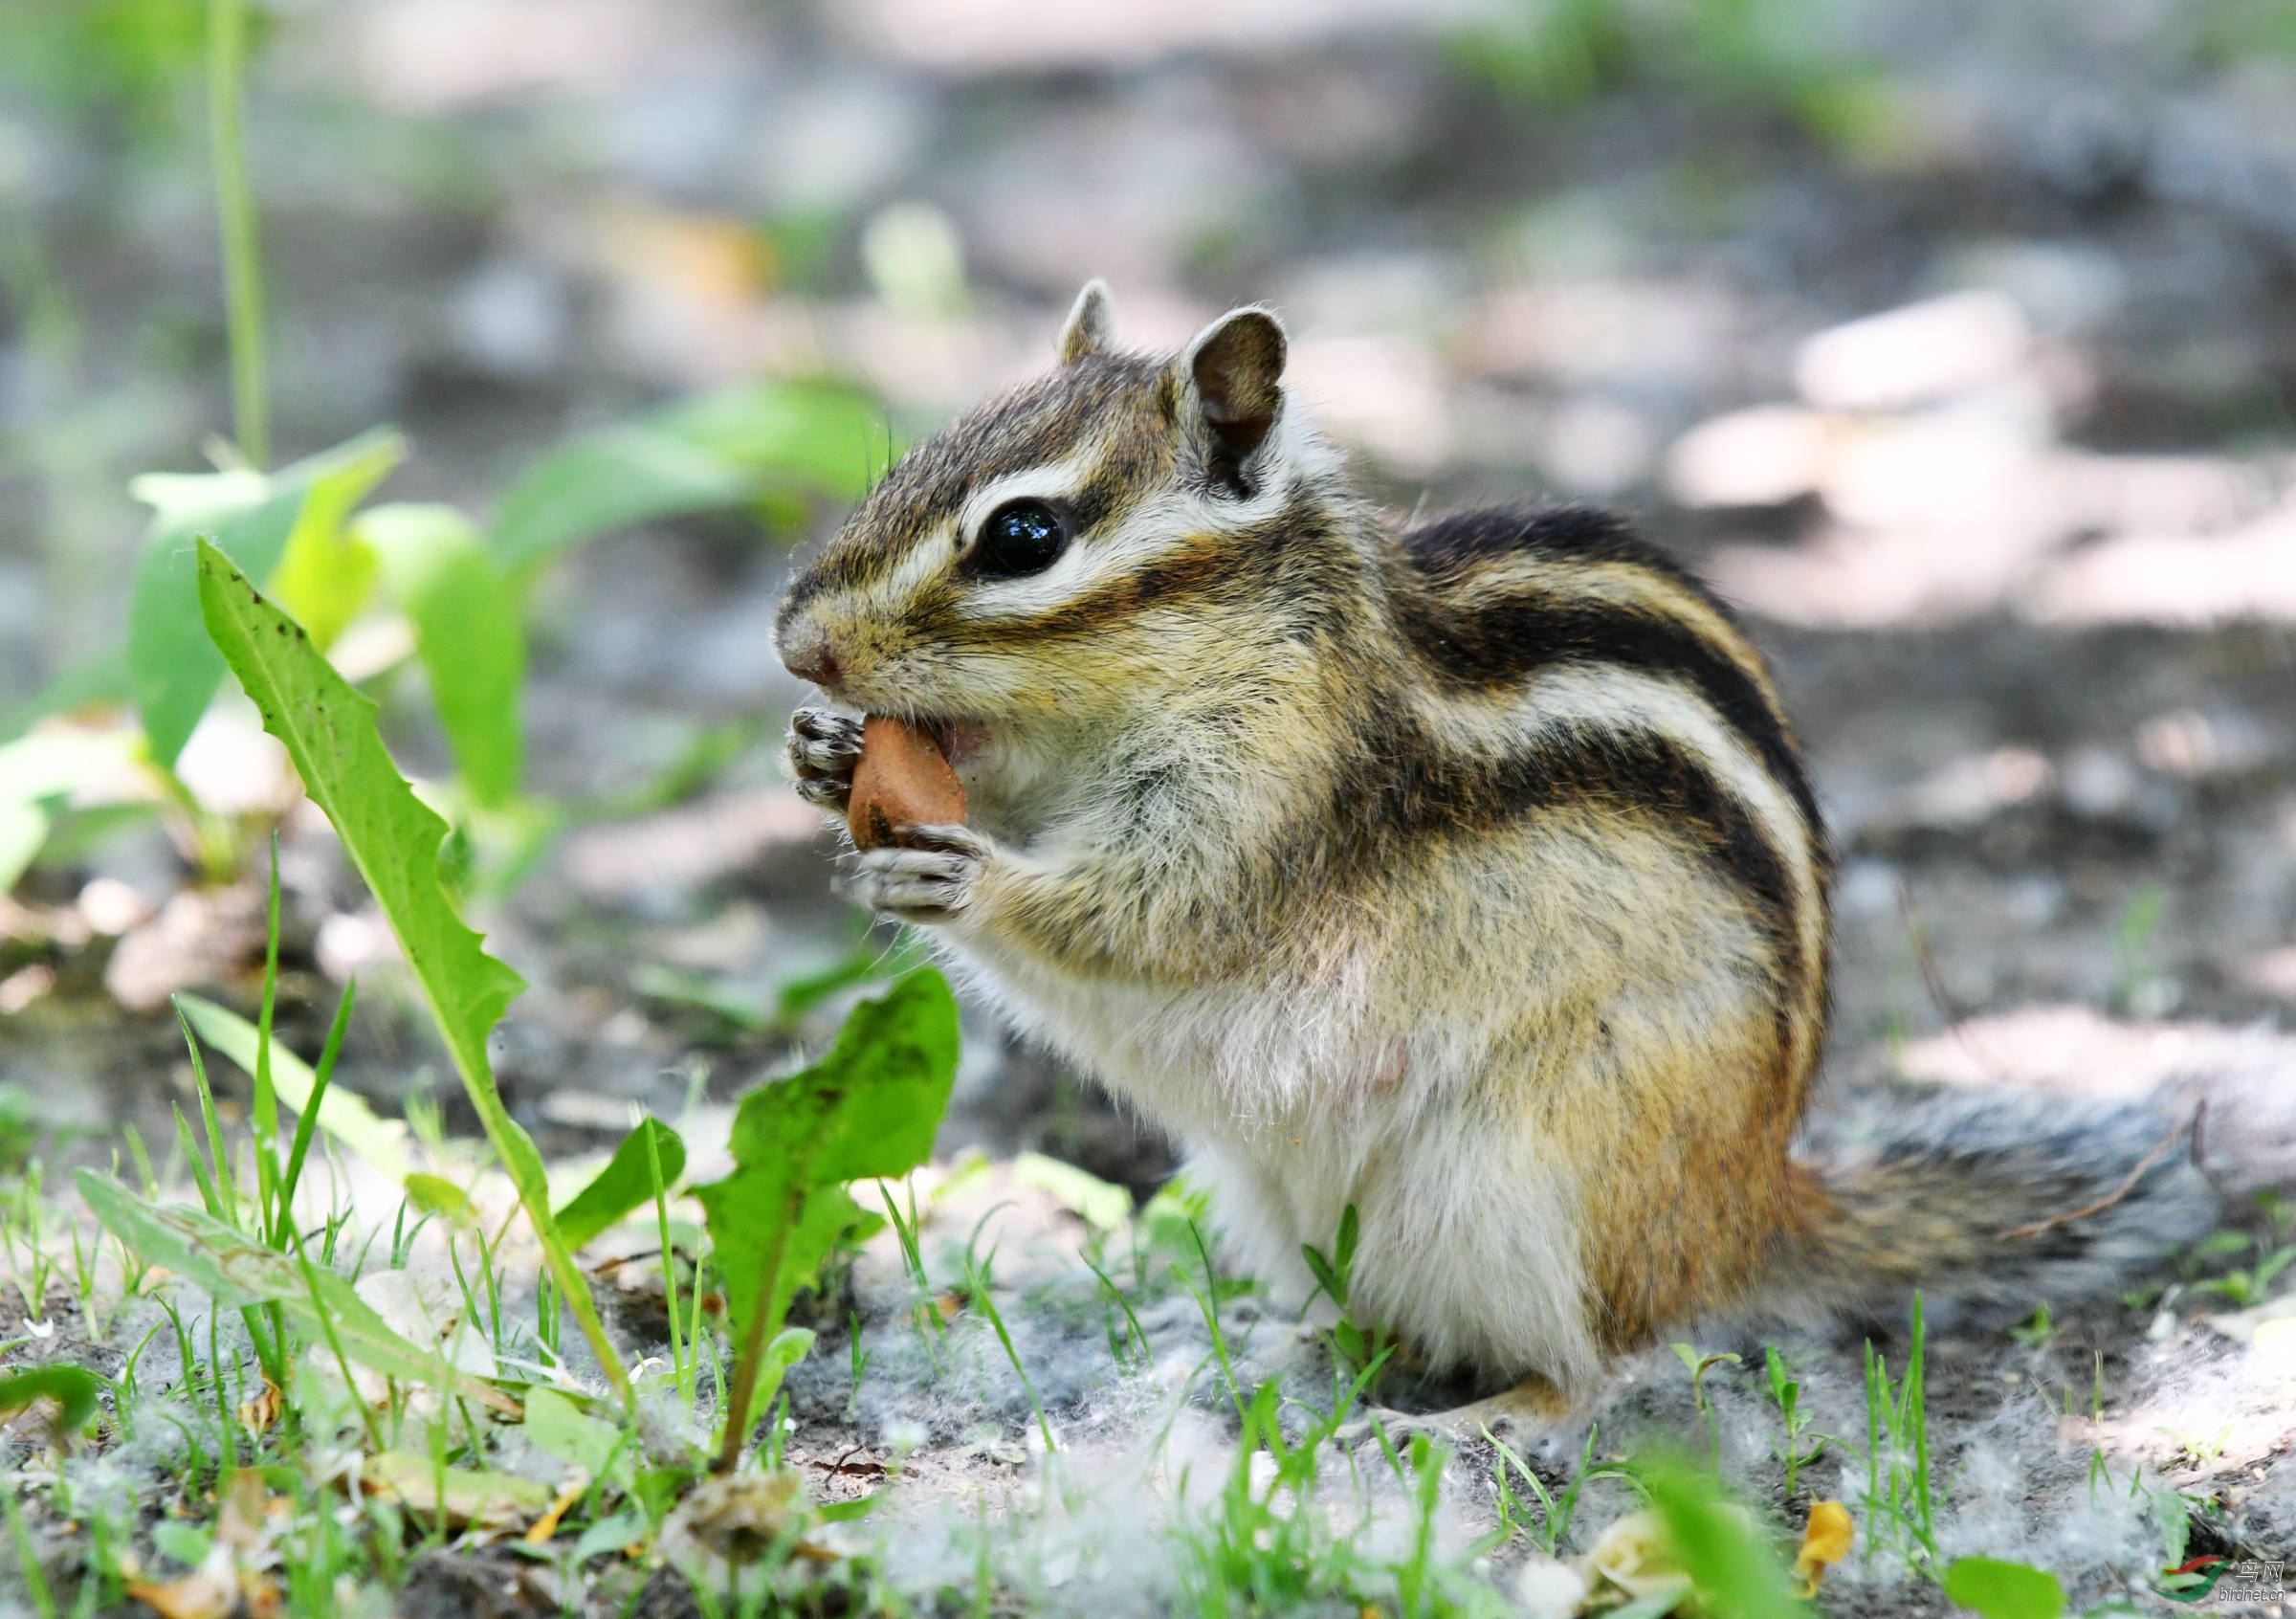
[(1235, 369), (1092, 323)]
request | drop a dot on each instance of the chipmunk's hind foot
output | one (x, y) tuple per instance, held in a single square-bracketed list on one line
[(1531, 1406)]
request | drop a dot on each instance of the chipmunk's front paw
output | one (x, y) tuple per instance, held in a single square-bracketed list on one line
[(929, 876), (824, 747)]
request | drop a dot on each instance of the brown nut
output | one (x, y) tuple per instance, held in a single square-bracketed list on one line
[(903, 779)]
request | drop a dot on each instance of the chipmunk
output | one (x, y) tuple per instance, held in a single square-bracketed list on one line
[(1467, 872)]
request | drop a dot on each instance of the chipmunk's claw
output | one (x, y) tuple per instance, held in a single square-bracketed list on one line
[(928, 876), (824, 749)]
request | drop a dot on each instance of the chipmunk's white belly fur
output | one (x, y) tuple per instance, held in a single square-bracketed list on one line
[(1292, 1109)]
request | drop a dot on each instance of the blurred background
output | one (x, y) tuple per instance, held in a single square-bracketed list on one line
[(1952, 342)]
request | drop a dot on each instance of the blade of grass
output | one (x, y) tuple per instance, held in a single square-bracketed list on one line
[(328, 729), (996, 1321), (264, 1118), (200, 1177), (1917, 1431), (661, 1215), (236, 219), (341, 1113), (228, 1267), (28, 1559), (308, 1123), (1208, 1303), (222, 1195), (1132, 1319), (225, 1205)]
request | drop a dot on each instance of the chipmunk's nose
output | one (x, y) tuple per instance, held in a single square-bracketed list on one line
[(806, 652)]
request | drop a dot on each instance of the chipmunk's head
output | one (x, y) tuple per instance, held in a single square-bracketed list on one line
[(1072, 544)]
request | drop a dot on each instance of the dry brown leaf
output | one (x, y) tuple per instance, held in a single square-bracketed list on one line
[(1824, 1541), (263, 1597), (257, 1415), (208, 1592), (247, 1509), (576, 1486), (231, 1574)]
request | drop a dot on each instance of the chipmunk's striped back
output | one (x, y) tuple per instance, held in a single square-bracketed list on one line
[(1653, 702)]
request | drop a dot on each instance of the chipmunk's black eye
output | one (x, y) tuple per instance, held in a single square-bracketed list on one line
[(1021, 536)]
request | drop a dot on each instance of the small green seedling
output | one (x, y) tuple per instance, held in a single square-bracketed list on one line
[(1353, 1345), (1786, 1392), (2250, 1284), (1552, 1533), (2038, 1331), (1698, 1362)]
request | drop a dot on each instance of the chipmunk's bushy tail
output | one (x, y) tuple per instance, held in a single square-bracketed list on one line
[(1990, 1204)]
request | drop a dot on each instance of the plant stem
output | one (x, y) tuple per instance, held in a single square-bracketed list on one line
[(661, 1215), (236, 219), (1919, 1430), (763, 1325)]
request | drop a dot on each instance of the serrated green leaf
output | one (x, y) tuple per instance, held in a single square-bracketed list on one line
[(2003, 1590), (392, 836), (328, 730), (467, 631), (879, 1094), (342, 1113), (236, 1271), (172, 664), (700, 455), (748, 1210), (867, 1110), (625, 1183)]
